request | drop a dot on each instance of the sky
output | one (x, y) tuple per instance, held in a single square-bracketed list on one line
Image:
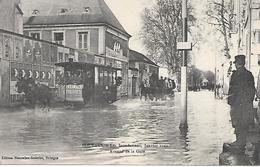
[(128, 12)]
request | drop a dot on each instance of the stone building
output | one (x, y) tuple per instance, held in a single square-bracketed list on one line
[(245, 32), (90, 27), (140, 69)]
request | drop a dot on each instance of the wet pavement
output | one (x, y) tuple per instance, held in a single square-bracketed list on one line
[(127, 132)]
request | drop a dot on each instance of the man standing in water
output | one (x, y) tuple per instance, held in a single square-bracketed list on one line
[(241, 95)]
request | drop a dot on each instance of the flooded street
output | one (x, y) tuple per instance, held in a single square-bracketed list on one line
[(127, 132)]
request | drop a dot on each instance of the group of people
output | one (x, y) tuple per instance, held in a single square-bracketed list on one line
[(240, 98), (155, 89)]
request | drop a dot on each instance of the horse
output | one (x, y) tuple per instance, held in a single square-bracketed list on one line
[(34, 93), (154, 90)]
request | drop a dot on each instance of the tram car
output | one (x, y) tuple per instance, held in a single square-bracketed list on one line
[(93, 78), (82, 82)]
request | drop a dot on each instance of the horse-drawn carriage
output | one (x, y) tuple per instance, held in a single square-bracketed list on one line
[(76, 82), (155, 88)]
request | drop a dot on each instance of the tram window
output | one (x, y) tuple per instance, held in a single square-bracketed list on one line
[(74, 77), (68, 73), (59, 77), (101, 76)]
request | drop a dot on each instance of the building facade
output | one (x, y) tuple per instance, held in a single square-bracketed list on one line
[(88, 26), (246, 38), (140, 69)]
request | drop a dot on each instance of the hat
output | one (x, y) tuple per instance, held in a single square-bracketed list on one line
[(240, 58)]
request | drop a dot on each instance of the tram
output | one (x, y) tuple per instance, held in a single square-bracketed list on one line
[(81, 82)]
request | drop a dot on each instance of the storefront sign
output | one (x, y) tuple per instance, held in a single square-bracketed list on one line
[(115, 55), (74, 87)]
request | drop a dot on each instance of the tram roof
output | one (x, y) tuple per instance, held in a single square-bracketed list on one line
[(80, 65), (72, 65)]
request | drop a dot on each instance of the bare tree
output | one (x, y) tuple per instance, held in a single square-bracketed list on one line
[(218, 15), (162, 29)]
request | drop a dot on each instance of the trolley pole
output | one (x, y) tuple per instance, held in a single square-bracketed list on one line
[(183, 122)]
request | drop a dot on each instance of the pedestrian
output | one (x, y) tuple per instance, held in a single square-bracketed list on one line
[(241, 95)]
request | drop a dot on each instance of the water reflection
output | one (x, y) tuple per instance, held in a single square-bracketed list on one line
[(81, 135)]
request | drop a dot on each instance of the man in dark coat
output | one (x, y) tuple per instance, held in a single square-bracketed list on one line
[(241, 96)]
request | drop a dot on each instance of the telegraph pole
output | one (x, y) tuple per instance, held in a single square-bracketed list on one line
[(183, 122)]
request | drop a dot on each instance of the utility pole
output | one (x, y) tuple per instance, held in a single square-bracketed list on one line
[(183, 123), (250, 35)]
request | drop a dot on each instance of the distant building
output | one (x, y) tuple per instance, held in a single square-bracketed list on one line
[(89, 26), (140, 69), (246, 32), (11, 17)]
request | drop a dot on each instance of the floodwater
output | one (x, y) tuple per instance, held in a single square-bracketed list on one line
[(127, 132)]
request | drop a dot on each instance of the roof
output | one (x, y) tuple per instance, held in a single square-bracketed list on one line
[(49, 13), (139, 57), (72, 65)]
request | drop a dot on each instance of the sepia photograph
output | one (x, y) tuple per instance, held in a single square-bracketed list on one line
[(130, 82)]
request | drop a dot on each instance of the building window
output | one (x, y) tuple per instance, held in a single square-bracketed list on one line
[(58, 38), (66, 57), (60, 57), (35, 35), (83, 40), (258, 37), (255, 14), (7, 50)]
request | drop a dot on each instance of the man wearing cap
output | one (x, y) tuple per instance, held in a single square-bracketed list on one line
[(241, 95)]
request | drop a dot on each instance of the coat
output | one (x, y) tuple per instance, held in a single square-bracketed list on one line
[(241, 88), (241, 95)]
